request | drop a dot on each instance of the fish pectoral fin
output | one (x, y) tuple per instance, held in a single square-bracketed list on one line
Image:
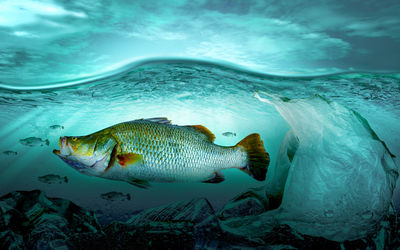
[(217, 178), (205, 131), (139, 183), (128, 159)]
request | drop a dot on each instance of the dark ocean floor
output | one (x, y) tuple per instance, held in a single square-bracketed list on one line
[(31, 220)]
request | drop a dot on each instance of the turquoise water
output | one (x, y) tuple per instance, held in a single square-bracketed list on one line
[(187, 92)]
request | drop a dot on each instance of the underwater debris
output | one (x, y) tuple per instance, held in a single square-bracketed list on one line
[(229, 134), (331, 151), (59, 127), (252, 202), (9, 152), (34, 141), (115, 196), (53, 179)]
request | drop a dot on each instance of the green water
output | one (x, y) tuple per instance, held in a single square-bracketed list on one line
[(187, 92)]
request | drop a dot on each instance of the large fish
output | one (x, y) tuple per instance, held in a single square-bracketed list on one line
[(153, 150)]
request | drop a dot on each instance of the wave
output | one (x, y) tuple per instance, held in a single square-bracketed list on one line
[(123, 68), (188, 80)]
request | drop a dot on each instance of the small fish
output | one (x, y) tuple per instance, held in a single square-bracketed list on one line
[(114, 196), (229, 134), (154, 150), (34, 141), (56, 127), (9, 152), (53, 179)]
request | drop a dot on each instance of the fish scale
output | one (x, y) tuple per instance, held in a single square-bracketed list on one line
[(172, 152)]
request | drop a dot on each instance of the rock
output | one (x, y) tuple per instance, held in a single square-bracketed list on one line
[(30, 220), (252, 202), (195, 211), (208, 233), (10, 232), (49, 233), (151, 235), (388, 237), (43, 223), (247, 230), (10, 217), (90, 240), (265, 230), (205, 231), (177, 225), (11, 240), (243, 207)]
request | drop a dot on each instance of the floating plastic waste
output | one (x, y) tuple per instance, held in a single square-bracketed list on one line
[(340, 175)]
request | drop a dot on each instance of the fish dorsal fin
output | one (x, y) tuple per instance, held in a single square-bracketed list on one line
[(163, 120), (205, 131)]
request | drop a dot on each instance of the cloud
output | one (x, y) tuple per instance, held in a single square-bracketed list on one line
[(264, 42), (46, 20), (209, 31), (24, 34), (156, 33), (14, 13), (375, 28), (351, 18), (61, 38)]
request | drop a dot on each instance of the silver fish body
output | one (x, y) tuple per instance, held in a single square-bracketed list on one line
[(148, 150), (172, 153)]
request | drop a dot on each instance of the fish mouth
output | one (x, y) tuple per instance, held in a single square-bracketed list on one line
[(65, 148), (66, 151)]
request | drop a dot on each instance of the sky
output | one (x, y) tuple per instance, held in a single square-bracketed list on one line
[(60, 40)]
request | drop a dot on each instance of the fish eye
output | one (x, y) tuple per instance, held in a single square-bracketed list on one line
[(74, 138)]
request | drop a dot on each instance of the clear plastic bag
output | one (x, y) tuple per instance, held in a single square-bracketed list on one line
[(340, 175)]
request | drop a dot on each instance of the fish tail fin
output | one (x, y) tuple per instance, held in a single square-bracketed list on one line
[(128, 196), (258, 158)]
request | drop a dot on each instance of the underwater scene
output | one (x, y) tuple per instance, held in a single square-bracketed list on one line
[(191, 151), (332, 142)]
